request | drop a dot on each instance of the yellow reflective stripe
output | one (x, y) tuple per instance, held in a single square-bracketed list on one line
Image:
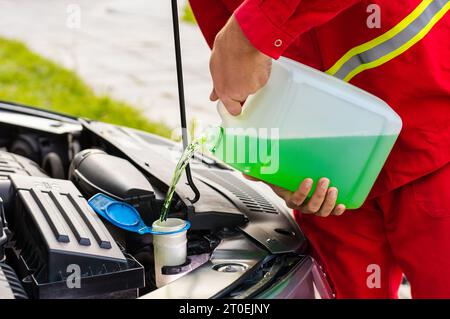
[(382, 38), (419, 36)]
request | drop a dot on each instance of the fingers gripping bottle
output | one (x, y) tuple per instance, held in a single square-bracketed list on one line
[(305, 123)]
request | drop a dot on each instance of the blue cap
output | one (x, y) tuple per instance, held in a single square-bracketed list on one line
[(125, 216)]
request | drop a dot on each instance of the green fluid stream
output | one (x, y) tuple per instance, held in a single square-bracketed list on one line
[(178, 172)]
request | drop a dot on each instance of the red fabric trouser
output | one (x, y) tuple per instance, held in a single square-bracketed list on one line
[(405, 231)]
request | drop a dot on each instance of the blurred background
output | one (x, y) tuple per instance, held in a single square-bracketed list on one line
[(111, 60)]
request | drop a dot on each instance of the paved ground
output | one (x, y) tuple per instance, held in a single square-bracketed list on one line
[(123, 47)]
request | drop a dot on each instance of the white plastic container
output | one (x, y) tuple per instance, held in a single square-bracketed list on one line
[(169, 250), (305, 123)]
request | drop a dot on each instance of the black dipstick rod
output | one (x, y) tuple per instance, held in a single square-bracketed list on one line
[(176, 37)]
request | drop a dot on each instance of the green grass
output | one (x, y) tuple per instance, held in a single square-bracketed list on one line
[(188, 16), (28, 78)]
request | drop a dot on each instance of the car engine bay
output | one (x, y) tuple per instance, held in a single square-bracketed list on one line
[(243, 241)]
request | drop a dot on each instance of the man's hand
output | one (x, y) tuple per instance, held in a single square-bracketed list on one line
[(237, 68), (322, 202)]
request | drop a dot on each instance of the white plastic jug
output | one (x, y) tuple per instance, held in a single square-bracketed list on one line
[(305, 123)]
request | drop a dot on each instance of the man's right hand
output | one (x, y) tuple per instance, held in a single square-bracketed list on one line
[(237, 68)]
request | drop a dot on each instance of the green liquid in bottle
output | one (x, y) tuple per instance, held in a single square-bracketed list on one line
[(352, 163)]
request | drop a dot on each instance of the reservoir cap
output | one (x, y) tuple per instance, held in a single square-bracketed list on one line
[(125, 216)]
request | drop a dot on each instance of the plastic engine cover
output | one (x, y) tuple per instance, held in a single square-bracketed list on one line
[(57, 228)]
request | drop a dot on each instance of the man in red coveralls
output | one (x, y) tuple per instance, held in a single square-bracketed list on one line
[(403, 58)]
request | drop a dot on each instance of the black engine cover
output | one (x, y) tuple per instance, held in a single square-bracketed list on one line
[(56, 228)]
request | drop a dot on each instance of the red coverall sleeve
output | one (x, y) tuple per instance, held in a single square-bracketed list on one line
[(211, 16), (272, 25)]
